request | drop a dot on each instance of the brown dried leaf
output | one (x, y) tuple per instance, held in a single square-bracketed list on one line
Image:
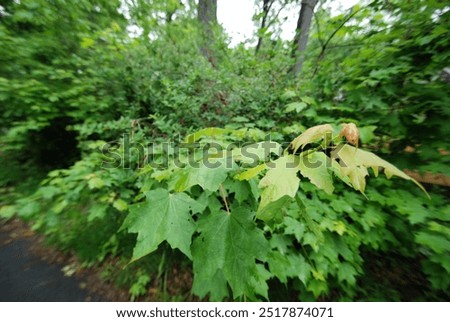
[(351, 133)]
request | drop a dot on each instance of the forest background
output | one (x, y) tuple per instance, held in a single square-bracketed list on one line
[(74, 79)]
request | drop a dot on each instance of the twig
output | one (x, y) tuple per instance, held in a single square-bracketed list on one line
[(324, 47)]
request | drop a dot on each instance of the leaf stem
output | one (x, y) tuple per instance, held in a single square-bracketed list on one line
[(224, 198)]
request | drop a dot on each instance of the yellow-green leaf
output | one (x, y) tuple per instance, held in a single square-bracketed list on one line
[(120, 205), (354, 163), (314, 166), (95, 183), (312, 134), (250, 173), (281, 180)]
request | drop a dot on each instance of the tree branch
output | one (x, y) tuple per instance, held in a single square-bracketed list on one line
[(267, 5), (324, 46)]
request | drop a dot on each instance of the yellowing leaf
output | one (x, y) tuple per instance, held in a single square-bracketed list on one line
[(250, 173), (162, 174), (314, 166), (357, 176), (281, 180), (312, 134), (120, 205), (354, 163), (7, 211), (148, 168), (87, 42), (339, 227)]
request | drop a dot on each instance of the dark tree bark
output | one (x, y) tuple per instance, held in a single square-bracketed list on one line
[(207, 16), (302, 33), (267, 4)]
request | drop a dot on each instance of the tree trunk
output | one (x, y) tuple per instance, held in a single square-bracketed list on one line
[(267, 4), (207, 16), (302, 33)]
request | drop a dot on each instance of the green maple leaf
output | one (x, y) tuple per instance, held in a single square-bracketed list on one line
[(346, 272), (98, 210), (241, 189), (256, 152), (298, 268), (296, 106), (366, 133), (290, 265), (280, 266), (294, 227), (162, 217), (229, 244), (208, 175), (216, 285), (209, 132), (317, 287), (438, 243), (258, 282), (274, 210)]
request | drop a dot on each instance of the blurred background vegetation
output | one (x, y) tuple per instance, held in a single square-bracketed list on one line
[(73, 76)]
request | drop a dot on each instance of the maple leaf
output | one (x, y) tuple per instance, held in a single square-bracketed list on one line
[(207, 132), (208, 175), (280, 181), (312, 134), (162, 217), (354, 163), (256, 152), (229, 244), (314, 166), (250, 173), (351, 133)]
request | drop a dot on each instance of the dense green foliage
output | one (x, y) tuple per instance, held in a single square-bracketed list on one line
[(87, 109)]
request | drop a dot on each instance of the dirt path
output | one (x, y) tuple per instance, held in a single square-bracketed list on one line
[(27, 273), (32, 270), (25, 277)]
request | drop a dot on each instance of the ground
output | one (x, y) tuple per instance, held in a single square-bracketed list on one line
[(33, 271)]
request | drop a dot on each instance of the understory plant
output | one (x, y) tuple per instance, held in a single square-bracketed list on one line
[(253, 219)]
